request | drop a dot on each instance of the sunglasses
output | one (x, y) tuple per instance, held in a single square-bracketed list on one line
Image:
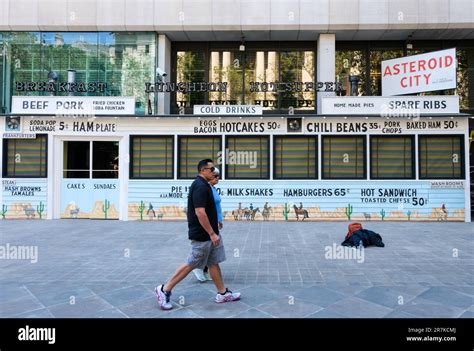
[(211, 168)]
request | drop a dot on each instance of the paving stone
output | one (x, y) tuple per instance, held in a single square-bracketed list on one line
[(277, 262)]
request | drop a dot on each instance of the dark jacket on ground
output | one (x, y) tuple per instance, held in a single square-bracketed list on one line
[(367, 237)]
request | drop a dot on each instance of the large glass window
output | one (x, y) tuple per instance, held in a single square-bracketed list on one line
[(152, 157), (376, 58), (261, 72), (226, 67), (247, 157), (297, 66), (344, 157), (351, 72), (191, 68), (25, 158), (464, 74), (295, 157), (122, 60), (77, 159), (441, 157), (193, 149), (279, 80), (275, 80), (126, 61), (392, 157)]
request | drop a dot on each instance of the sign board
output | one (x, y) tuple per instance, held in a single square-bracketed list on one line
[(413, 74), (396, 106), (18, 136), (244, 110), (73, 105), (251, 125)]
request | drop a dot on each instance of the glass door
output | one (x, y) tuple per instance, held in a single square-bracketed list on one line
[(90, 184)]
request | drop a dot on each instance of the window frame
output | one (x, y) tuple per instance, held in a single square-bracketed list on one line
[(413, 159), (463, 156), (266, 136), (178, 151), (315, 139), (364, 137), (148, 136), (5, 158)]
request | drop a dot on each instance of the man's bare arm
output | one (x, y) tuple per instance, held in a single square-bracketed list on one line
[(204, 221)]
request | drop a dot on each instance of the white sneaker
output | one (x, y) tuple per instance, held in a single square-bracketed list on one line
[(199, 273), (163, 298), (227, 297), (207, 276)]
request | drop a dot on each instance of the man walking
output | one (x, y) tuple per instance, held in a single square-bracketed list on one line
[(206, 243)]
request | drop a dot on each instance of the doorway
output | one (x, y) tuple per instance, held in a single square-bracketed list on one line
[(89, 180)]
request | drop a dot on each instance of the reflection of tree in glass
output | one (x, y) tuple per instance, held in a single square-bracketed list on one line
[(296, 66), (376, 58), (257, 71), (25, 56), (190, 67), (121, 62), (136, 71), (462, 79), (351, 63), (289, 73), (228, 69)]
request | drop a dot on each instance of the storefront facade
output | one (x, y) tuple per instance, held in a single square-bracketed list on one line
[(111, 125)]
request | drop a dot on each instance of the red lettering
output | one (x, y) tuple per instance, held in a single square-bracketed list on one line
[(396, 69), (432, 63), (417, 80), (427, 78), (404, 64), (448, 61), (421, 65), (402, 82), (387, 71)]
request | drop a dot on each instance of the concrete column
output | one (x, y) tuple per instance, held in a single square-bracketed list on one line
[(308, 73), (326, 64), (226, 62), (260, 73), (164, 62), (271, 75)]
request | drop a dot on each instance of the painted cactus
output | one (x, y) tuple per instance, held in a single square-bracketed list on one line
[(348, 211), (40, 209), (141, 209), (4, 211), (382, 214), (105, 207), (286, 210)]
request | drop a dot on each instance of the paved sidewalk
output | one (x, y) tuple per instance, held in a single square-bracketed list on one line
[(109, 268)]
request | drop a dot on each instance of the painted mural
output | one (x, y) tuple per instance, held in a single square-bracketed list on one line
[(307, 200), (90, 198), (24, 199), (242, 200)]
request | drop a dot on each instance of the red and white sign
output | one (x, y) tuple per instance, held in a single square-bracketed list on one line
[(414, 74)]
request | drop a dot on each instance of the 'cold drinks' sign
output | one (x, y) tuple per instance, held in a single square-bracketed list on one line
[(413, 74)]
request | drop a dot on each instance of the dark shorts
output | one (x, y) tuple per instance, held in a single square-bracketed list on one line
[(204, 253)]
